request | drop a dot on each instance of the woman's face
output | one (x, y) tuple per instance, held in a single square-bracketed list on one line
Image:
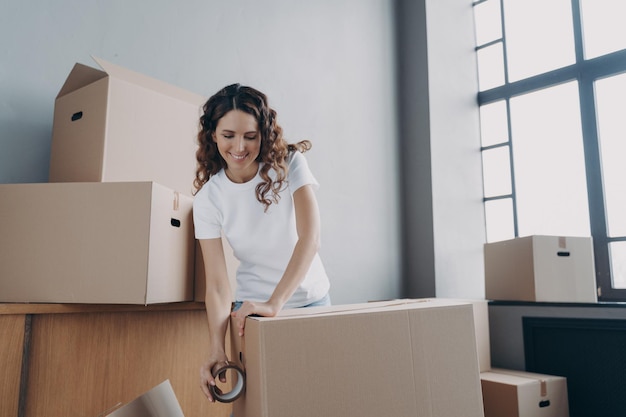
[(239, 142)]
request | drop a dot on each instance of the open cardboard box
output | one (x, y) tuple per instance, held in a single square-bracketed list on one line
[(115, 124), (395, 358), (160, 401)]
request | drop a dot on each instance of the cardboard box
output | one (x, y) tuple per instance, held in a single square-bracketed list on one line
[(160, 401), (541, 268), (396, 358), (119, 125), (110, 243), (481, 331), (523, 394)]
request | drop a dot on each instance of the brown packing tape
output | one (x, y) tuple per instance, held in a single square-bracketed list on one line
[(562, 242), (176, 201), (237, 390)]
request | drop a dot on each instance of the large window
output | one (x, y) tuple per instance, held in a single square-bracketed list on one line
[(552, 80)]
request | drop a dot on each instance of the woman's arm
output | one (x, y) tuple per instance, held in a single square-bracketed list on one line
[(218, 301), (308, 228)]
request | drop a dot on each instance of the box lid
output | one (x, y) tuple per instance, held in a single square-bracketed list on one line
[(360, 308), (82, 75), (148, 82), (519, 378)]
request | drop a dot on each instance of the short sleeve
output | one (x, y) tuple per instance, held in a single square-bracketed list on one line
[(206, 215), (299, 173)]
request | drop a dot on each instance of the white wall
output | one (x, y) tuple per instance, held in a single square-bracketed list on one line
[(443, 215), (455, 139), (326, 65)]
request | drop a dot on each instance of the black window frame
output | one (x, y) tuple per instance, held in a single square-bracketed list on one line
[(585, 72)]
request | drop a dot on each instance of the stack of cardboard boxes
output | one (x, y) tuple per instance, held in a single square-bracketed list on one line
[(535, 268), (114, 223)]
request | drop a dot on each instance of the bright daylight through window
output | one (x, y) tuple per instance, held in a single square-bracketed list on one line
[(552, 81)]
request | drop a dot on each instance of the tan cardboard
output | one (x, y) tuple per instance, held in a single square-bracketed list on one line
[(111, 243), (160, 401), (396, 358), (481, 330), (523, 394), (541, 268), (118, 125)]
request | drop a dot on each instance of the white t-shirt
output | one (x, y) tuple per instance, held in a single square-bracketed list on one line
[(262, 241)]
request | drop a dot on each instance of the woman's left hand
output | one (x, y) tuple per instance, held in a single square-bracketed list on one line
[(249, 308)]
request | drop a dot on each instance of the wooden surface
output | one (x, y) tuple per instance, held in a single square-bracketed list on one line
[(34, 308), (86, 360), (11, 343)]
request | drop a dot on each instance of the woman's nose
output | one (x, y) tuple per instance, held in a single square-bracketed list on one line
[(240, 145)]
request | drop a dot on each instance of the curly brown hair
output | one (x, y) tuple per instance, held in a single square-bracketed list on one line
[(274, 148)]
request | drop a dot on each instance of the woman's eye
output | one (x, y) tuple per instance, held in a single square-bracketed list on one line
[(250, 137), (228, 136)]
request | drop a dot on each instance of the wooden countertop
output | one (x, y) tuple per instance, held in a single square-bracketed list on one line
[(36, 308)]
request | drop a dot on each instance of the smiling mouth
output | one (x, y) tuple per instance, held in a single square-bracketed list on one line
[(238, 157)]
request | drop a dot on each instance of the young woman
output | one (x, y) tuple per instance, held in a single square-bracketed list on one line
[(257, 190)]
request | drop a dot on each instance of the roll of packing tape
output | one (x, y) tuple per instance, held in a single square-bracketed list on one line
[(237, 390)]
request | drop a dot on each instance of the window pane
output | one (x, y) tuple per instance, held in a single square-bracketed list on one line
[(497, 171), (618, 264), (610, 103), (549, 165), (490, 67), (499, 218), (487, 21), (493, 124), (539, 36), (604, 30)]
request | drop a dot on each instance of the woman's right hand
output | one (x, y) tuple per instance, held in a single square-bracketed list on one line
[(206, 373)]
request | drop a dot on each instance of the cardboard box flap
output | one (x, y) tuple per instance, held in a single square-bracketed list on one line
[(80, 76), (347, 308), (506, 379), (149, 83), (160, 401), (371, 307)]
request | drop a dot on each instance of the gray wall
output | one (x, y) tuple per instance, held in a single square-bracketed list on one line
[(328, 67), (507, 332), (443, 216)]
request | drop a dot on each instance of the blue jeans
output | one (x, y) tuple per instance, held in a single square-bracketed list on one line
[(325, 301)]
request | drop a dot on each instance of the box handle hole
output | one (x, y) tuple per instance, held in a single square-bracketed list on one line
[(175, 222), (77, 116), (563, 253), (544, 403)]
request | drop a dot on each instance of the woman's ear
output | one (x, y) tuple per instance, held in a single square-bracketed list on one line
[(213, 137)]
